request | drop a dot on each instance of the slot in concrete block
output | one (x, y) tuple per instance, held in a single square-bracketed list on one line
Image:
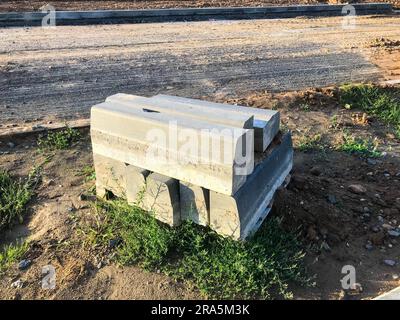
[(135, 184), (110, 176), (240, 215), (265, 122), (195, 203), (161, 198)]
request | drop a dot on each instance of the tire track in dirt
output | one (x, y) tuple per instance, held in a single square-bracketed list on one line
[(61, 73)]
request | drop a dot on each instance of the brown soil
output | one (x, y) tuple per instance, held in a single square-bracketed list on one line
[(35, 5), (334, 234)]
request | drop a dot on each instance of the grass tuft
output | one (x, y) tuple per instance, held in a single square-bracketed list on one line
[(58, 140), (383, 103), (11, 254), (219, 267), (14, 196), (359, 146), (310, 142)]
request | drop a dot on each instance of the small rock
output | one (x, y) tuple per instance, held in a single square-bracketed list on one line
[(395, 276), (17, 284), (85, 197), (369, 246), (371, 161), (377, 238), (380, 219), (389, 262), (357, 188), (387, 226), (366, 210), (23, 264), (331, 199), (311, 233), (393, 233), (375, 229), (298, 182), (366, 217), (11, 145), (315, 171), (50, 182), (99, 265)]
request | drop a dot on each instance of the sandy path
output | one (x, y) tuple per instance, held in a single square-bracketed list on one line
[(59, 73)]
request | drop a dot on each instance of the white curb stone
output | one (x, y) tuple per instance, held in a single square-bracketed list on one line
[(238, 216), (180, 109), (132, 136), (194, 203), (110, 176), (161, 198), (135, 184), (266, 122)]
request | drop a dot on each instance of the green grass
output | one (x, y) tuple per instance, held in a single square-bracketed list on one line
[(14, 197), (309, 142), (358, 146), (384, 103), (11, 254), (305, 106), (219, 267), (58, 140), (88, 172)]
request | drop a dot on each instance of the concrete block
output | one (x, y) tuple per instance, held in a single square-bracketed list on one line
[(265, 123), (161, 198), (110, 176), (135, 184), (240, 215), (195, 203), (203, 114), (202, 153)]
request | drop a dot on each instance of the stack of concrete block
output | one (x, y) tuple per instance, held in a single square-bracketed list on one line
[(231, 194)]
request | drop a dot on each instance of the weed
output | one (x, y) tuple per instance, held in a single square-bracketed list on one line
[(11, 254), (219, 267), (58, 140), (359, 146), (309, 142), (305, 107), (88, 172), (383, 103), (14, 196)]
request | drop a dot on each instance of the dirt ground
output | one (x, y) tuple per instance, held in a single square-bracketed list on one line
[(336, 224), (24, 5)]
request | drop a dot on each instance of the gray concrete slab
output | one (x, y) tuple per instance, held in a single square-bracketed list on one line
[(135, 184), (110, 176), (186, 110), (195, 203), (202, 153), (265, 123), (240, 215), (161, 198)]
